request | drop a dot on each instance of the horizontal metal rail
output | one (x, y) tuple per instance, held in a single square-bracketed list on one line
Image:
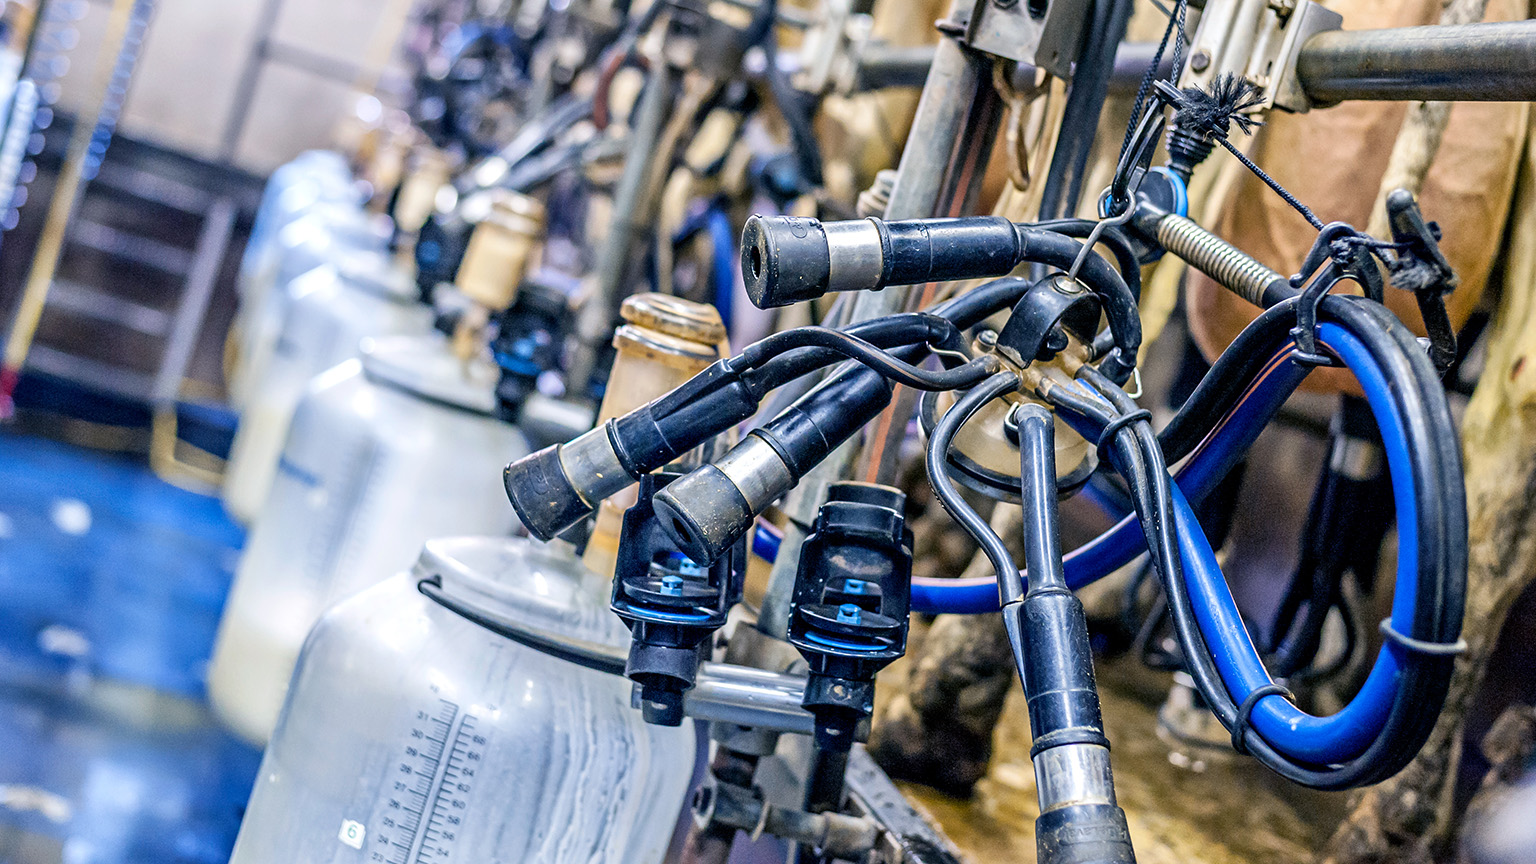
[(1493, 62)]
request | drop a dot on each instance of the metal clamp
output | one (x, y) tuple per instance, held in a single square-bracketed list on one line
[(1420, 646)]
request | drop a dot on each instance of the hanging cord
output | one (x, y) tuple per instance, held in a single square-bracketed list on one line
[(1176, 20)]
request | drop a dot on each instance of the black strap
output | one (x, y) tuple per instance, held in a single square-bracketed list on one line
[(1244, 711), (595, 657), (1107, 437)]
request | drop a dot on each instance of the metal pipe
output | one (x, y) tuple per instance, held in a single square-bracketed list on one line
[(1493, 62), (1131, 62), (745, 696), (883, 65), (948, 93), (724, 692), (629, 219), (250, 76)]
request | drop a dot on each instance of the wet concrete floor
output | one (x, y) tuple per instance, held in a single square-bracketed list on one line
[(1185, 805)]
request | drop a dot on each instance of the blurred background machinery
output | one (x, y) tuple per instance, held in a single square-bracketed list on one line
[(137, 137)]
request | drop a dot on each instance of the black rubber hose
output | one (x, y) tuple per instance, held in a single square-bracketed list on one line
[(787, 259), (980, 303), (889, 332), (1228, 377), (1441, 529), (1010, 584), (1342, 523), (854, 348)]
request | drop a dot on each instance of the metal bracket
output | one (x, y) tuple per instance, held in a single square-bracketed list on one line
[(1046, 33), (831, 49), (905, 836), (1258, 40)]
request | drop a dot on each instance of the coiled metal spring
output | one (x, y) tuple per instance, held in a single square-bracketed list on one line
[(1228, 265)]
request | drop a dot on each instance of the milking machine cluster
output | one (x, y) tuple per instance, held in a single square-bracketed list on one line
[(1050, 350)]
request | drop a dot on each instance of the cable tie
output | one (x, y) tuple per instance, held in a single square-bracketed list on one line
[(1107, 437), (1245, 711), (1309, 358), (1434, 649)]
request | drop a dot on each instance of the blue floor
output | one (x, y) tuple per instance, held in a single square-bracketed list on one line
[(111, 585)]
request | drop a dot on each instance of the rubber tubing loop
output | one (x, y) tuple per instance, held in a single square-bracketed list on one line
[(1344, 735)]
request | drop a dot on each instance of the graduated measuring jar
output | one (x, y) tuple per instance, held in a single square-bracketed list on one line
[(412, 735)]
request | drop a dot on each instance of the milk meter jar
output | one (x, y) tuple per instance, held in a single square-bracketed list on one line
[(412, 734), (312, 177), (332, 310), (385, 452)]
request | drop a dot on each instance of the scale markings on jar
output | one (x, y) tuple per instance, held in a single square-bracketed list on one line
[(423, 808)]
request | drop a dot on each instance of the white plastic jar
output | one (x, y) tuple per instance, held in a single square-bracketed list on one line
[(340, 235), (332, 310), (412, 734), (293, 187), (385, 452)]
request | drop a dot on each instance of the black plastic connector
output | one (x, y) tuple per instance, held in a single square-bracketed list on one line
[(558, 486), (671, 604), (440, 245), (788, 259), (527, 344), (848, 615), (711, 509), (1422, 268)]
